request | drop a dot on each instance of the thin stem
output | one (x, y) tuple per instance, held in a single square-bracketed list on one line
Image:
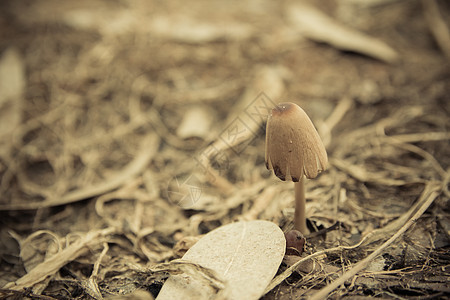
[(300, 208)]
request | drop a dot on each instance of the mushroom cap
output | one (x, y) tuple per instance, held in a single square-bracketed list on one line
[(293, 145)]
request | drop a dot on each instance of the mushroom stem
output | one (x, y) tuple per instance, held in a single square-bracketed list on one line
[(300, 207)]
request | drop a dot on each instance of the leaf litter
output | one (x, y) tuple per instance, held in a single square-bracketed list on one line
[(95, 166)]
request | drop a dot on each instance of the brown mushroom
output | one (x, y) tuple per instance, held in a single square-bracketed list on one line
[(294, 149), (294, 242)]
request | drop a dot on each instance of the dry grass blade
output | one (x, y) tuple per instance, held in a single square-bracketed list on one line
[(92, 284), (179, 266), (335, 117), (53, 264), (12, 294), (148, 149), (317, 26), (362, 174), (12, 85), (430, 193), (261, 203), (417, 150), (288, 272), (420, 137), (437, 25)]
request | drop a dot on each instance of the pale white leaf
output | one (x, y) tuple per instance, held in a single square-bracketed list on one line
[(245, 255)]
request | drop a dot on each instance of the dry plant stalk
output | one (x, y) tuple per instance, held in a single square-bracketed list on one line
[(147, 151), (437, 25), (57, 261), (429, 194), (316, 25)]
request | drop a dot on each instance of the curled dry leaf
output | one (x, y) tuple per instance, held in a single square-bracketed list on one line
[(246, 255), (38, 247), (54, 263), (319, 27)]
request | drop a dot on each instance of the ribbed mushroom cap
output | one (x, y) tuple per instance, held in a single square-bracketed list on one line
[(293, 145)]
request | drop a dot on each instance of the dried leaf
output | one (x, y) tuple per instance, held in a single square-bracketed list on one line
[(317, 26), (51, 265), (246, 255), (38, 247)]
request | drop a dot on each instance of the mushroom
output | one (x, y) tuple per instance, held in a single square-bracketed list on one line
[(294, 149), (294, 242)]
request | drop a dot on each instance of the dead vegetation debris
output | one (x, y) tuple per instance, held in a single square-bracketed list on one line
[(102, 191)]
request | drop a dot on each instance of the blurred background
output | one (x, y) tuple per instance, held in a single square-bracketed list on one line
[(148, 118)]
